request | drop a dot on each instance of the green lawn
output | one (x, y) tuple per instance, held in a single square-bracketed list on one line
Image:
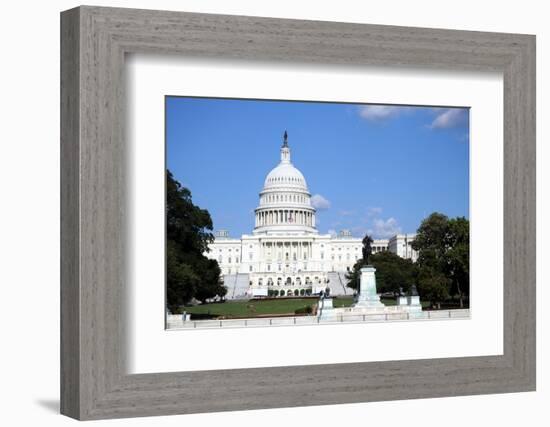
[(255, 308), (252, 308)]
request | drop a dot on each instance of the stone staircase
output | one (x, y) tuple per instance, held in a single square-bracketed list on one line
[(237, 286), (338, 283)]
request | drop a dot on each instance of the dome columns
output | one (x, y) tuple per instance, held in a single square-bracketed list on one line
[(284, 216)]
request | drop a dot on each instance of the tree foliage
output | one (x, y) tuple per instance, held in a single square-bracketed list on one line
[(458, 257), (189, 274), (443, 247), (392, 272)]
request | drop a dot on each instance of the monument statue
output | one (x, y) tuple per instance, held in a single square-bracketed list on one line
[(367, 249)]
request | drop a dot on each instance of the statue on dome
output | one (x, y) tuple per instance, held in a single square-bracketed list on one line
[(367, 249), (285, 139)]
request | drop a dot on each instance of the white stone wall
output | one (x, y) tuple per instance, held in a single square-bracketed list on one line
[(272, 254), (401, 244)]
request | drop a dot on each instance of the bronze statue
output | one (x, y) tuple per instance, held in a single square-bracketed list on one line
[(367, 249)]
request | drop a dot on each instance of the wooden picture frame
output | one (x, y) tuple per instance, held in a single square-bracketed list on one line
[(94, 41)]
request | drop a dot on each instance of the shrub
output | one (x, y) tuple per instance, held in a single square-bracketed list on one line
[(304, 310)]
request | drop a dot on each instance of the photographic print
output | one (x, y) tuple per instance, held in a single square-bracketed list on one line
[(294, 213)]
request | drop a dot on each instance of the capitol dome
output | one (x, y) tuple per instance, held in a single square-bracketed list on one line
[(285, 202), (285, 175)]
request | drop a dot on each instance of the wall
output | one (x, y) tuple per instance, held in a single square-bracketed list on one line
[(29, 225)]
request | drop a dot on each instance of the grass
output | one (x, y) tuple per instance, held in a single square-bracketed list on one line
[(251, 308), (267, 307)]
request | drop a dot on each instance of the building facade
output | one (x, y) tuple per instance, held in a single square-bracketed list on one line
[(285, 251)]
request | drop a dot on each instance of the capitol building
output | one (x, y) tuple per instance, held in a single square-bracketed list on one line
[(285, 251)]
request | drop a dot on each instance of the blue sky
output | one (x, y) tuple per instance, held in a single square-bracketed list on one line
[(379, 169)]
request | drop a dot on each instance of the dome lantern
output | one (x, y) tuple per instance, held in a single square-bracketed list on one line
[(285, 150)]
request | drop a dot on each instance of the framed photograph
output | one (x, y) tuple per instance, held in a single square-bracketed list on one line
[(262, 213)]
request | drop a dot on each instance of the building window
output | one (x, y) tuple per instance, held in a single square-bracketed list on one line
[(220, 259), (268, 267), (322, 255), (250, 268), (229, 260), (250, 256)]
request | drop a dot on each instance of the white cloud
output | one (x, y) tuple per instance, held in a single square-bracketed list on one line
[(383, 229), (319, 202), (373, 211), (449, 118), (379, 112), (332, 232), (344, 212)]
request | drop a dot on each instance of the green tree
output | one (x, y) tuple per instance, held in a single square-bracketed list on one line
[(443, 258), (431, 242), (431, 239), (392, 272), (458, 257), (433, 285), (189, 274)]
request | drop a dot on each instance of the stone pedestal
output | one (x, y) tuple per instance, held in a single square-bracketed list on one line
[(413, 302), (326, 304), (402, 300), (367, 290), (327, 312)]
